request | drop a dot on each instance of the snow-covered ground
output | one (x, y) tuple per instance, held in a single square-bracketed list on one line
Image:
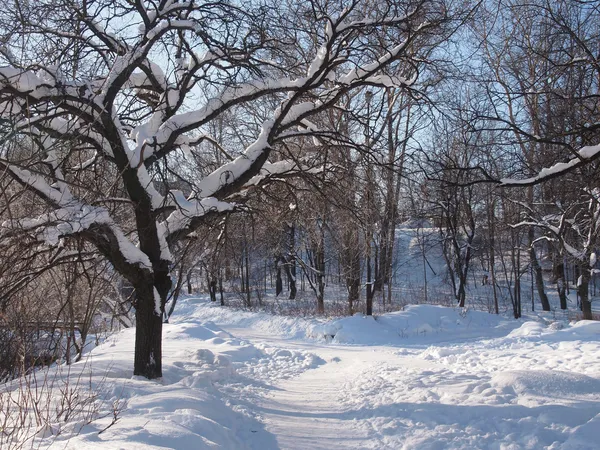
[(428, 377)]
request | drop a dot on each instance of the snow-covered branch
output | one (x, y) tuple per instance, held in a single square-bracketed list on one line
[(585, 156)]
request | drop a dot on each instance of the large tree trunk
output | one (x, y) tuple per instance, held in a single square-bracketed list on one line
[(148, 334), (461, 295)]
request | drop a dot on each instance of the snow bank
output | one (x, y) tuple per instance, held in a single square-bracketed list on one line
[(417, 323), (548, 384), (282, 326)]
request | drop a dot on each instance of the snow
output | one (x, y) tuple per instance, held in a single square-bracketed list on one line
[(585, 154), (23, 81), (427, 322), (276, 168), (70, 217), (367, 70), (231, 171), (424, 378), (157, 303), (185, 212)]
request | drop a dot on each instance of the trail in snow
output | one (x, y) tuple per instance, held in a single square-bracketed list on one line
[(314, 410), (521, 390), (307, 411)]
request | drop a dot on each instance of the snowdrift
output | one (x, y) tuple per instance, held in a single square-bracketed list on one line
[(417, 323)]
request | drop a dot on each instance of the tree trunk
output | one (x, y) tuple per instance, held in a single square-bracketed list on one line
[(188, 279), (221, 288), (583, 287), (278, 280), (148, 334), (248, 293), (320, 266), (291, 262), (537, 271), (491, 225), (559, 275), (462, 295), (212, 286), (351, 256), (517, 287), (292, 283), (370, 291)]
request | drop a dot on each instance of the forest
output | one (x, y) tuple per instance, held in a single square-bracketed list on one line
[(273, 151)]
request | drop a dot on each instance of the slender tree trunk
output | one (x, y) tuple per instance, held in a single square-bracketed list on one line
[(188, 279), (492, 227), (537, 272), (576, 280), (566, 274), (424, 266), (517, 287), (291, 262), (370, 290), (559, 275), (583, 288), (320, 259), (351, 258), (464, 262), (171, 308), (248, 293), (221, 288)]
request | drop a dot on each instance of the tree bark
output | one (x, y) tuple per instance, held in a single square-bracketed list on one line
[(370, 290), (291, 262), (537, 271), (188, 279), (559, 275), (148, 334), (320, 276), (583, 288), (351, 261), (492, 228)]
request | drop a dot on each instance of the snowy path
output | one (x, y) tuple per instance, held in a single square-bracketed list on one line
[(314, 410), (306, 412), (504, 393)]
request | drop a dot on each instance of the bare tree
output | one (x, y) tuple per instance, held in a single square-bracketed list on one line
[(105, 99)]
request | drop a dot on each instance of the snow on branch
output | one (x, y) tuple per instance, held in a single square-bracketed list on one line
[(136, 109), (585, 156), (69, 217), (189, 210), (278, 169)]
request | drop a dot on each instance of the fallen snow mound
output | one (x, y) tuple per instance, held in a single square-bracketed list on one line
[(417, 322)]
